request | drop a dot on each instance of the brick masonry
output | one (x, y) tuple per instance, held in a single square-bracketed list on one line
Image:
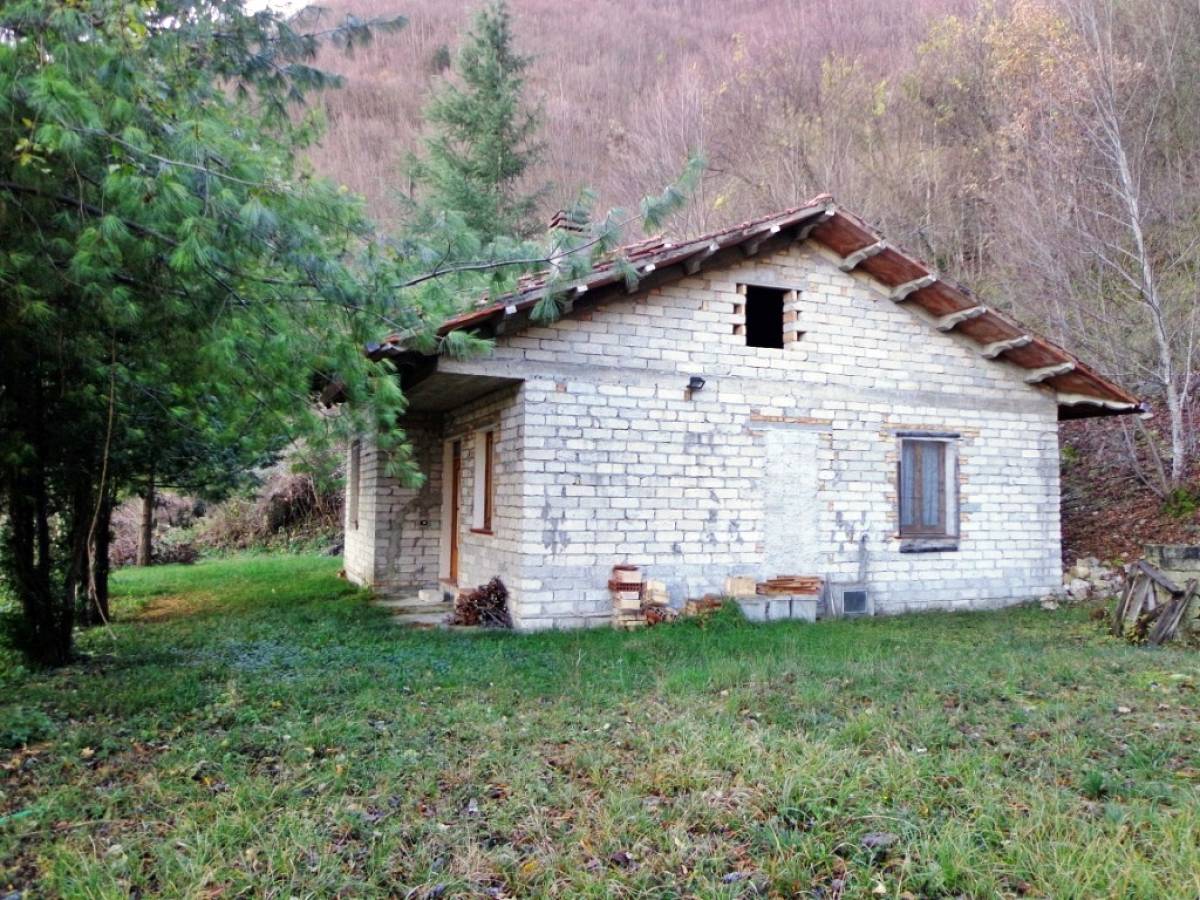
[(785, 462)]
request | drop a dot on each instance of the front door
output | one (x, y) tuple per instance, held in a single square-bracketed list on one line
[(455, 496)]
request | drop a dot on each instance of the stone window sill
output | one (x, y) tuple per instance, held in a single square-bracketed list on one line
[(928, 544)]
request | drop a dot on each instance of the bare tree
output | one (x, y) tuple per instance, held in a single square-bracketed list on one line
[(1137, 202)]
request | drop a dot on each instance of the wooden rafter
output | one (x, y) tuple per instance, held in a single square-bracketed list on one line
[(693, 263), (805, 230), (752, 246)]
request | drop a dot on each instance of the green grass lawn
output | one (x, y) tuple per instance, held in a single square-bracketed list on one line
[(250, 726)]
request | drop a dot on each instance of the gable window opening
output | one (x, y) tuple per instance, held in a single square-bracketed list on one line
[(928, 494), (485, 481), (763, 309), (352, 483)]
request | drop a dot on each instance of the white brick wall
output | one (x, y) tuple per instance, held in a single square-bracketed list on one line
[(602, 459)]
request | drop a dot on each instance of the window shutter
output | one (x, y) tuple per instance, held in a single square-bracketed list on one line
[(927, 486), (908, 485)]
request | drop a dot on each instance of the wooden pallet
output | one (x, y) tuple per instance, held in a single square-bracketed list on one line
[(1152, 606)]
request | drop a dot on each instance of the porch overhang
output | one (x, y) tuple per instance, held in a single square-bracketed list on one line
[(430, 389)]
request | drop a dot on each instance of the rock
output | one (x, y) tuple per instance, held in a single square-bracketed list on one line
[(1079, 589), (879, 840), (1081, 571), (1049, 604)]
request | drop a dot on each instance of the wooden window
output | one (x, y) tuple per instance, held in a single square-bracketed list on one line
[(485, 481), (927, 506), (352, 483)]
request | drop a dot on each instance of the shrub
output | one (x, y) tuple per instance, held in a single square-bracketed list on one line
[(1181, 503), (20, 725), (176, 550)]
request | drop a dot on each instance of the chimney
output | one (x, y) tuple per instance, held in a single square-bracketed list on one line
[(566, 220)]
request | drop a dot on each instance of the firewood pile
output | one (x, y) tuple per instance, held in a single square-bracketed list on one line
[(1153, 609), (486, 605)]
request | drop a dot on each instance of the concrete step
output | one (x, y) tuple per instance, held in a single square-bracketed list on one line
[(423, 620), (411, 604)]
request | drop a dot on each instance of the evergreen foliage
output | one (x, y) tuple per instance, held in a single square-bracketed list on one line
[(176, 287), (484, 137)]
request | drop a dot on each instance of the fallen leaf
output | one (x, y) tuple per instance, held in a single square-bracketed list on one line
[(530, 867)]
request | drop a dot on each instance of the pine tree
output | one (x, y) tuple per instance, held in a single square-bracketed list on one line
[(484, 137), (176, 290)]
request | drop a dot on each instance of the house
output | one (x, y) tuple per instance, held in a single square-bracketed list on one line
[(791, 396)]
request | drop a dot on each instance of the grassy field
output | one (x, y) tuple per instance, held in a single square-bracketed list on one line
[(251, 727)]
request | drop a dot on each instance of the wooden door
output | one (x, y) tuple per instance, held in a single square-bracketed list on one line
[(455, 503)]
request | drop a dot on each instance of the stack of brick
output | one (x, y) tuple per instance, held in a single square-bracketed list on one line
[(656, 602), (625, 585)]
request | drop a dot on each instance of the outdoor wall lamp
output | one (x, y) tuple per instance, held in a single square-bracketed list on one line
[(695, 383)]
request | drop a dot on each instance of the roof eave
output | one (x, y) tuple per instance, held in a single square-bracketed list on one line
[(1081, 391)]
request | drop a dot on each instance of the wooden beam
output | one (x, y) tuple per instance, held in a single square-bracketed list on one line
[(692, 264), (953, 320), (1037, 376), (851, 262), (901, 292), (821, 218), (503, 321), (993, 350), (752, 246)]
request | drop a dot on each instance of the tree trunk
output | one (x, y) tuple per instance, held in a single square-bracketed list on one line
[(95, 609), (146, 533), (44, 631)]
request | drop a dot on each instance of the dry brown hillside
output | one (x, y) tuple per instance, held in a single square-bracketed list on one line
[(629, 86)]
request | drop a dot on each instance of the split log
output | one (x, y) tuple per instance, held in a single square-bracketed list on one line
[(1117, 626), (1168, 623), (1158, 577), (1143, 590)]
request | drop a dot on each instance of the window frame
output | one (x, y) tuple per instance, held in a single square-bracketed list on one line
[(354, 483), (484, 489), (944, 534)]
